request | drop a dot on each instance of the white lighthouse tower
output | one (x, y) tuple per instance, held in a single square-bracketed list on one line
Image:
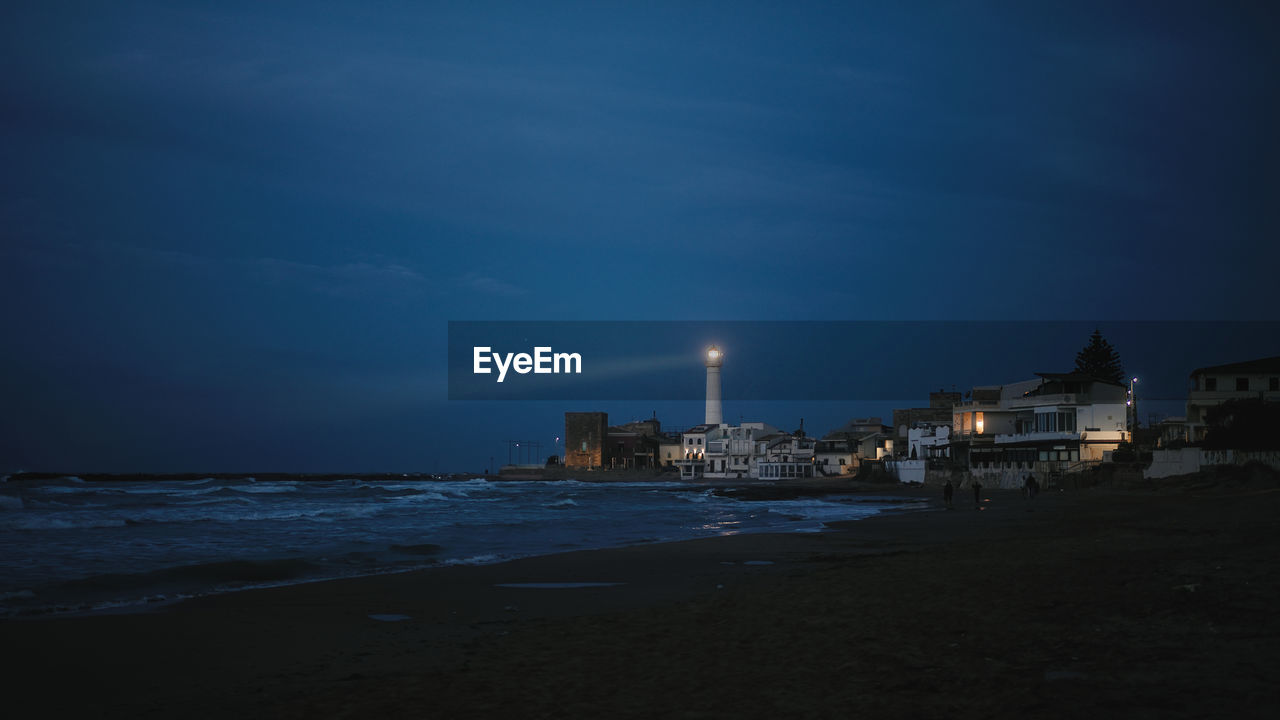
[(715, 358)]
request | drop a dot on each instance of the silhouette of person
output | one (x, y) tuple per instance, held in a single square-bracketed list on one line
[(977, 494), (947, 491)]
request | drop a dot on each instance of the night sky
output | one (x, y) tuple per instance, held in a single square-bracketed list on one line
[(232, 234)]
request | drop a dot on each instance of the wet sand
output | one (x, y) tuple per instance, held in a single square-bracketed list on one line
[(1091, 602)]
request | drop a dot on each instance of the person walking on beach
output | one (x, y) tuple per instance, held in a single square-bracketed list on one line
[(977, 493), (947, 491), (1033, 487)]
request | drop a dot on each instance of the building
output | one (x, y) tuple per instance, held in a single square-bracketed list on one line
[(634, 445), (938, 412), (735, 450), (784, 456), (929, 441), (834, 457), (695, 440), (1213, 386), (1058, 423), (670, 450), (585, 435), (867, 438)]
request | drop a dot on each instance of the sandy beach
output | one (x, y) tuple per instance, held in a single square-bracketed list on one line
[(1109, 603)]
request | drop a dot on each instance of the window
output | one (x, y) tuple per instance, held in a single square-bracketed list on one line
[(1242, 384), (1275, 384), (1211, 383)]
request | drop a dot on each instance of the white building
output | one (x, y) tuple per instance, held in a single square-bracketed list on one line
[(783, 456), (1059, 423), (695, 442), (1213, 386), (835, 457), (929, 441), (735, 450)]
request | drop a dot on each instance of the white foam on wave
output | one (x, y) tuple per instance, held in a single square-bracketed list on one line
[(424, 497), (567, 502), (701, 497), (485, 559)]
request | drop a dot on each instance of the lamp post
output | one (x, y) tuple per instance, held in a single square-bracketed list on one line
[(1132, 404)]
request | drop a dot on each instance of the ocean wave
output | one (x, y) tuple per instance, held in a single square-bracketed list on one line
[(483, 559), (75, 490), (424, 497), (567, 502), (417, 549), (269, 487), (9, 502), (28, 522), (215, 501)]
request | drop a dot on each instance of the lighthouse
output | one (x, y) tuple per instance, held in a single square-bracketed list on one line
[(715, 359)]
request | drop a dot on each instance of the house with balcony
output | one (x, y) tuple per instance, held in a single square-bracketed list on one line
[(696, 440), (1213, 386), (784, 456), (834, 457), (733, 452), (1055, 424)]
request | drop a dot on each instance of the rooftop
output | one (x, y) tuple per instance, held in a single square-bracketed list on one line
[(1261, 365)]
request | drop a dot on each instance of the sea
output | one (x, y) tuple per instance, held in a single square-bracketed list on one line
[(68, 545)]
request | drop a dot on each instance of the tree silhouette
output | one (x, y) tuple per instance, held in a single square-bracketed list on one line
[(1098, 359)]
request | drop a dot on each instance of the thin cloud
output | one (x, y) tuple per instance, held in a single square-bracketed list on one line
[(488, 285)]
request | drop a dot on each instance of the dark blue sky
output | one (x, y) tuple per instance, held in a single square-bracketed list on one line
[(231, 234)]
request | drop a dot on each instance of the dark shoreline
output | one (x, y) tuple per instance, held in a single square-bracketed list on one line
[(1145, 604), (167, 587)]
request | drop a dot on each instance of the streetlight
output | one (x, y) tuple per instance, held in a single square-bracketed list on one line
[(1132, 408)]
